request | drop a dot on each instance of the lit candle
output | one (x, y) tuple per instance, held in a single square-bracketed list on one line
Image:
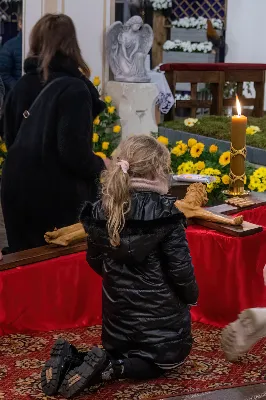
[(238, 152)]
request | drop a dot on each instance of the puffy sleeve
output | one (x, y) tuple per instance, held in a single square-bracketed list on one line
[(179, 265), (94, 251), (95, 257), (74, 133)]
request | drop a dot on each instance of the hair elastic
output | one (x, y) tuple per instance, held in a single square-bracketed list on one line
[(124, 166)]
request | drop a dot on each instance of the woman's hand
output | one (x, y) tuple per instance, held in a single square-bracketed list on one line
[(107, 162)]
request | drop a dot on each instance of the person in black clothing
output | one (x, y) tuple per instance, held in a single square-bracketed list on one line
[(50, 170), (11, 59), (137, 243)]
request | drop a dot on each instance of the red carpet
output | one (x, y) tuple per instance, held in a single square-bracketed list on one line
[(22, 356)]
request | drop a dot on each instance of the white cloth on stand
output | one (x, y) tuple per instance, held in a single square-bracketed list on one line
[(165, 99)]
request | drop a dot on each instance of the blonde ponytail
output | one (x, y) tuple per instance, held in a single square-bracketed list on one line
[(116, 200), (137, 157)]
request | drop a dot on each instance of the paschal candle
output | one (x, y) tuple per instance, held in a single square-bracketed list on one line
[(238, 152)]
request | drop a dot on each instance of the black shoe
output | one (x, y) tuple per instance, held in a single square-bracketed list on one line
[(82, 377), (114, 370), (64, 357)]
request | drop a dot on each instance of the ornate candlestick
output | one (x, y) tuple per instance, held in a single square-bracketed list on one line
[(238, 154)]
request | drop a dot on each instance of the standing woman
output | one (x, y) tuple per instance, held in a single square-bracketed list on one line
[(50, 168)]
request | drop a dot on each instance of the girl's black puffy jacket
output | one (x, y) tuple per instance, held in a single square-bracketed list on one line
[(148, 281)]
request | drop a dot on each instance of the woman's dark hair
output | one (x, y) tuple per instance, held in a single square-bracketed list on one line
[(56, 34)]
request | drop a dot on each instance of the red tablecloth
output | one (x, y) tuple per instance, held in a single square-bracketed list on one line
[(65, 293), (229, 271), (57, 294)]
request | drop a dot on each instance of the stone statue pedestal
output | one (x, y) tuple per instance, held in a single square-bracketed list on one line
[(135, 103)]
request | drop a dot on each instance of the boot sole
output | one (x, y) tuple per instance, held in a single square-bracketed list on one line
[(77, 380), (51, 373)]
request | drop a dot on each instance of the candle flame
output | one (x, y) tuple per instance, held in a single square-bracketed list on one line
[(238, 106)]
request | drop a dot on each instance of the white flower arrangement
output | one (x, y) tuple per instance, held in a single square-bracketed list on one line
[(161, 5), (179, 97), (197, 23), (191, 121), (188, 47)]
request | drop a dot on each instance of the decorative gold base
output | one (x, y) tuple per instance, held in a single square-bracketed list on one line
[(229, 193)]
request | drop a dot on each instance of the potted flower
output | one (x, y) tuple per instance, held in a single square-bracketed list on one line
[(106, 127), (180, 51)]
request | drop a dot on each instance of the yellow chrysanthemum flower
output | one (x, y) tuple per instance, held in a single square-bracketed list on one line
[(256, 128), (96, 81), (117, 129), (183, 148), (176, 151), (97, 121), (95, 138), (3, 147), (180, 149), (226, 180), (261, 188), (210, 187), (200, 165), (164, 140), (111, 109), (250, 131), (213, 149), (191, 142), (251, 187), (187, 168), (255, 181), (100, 154), (105, 145), (225, 159), (1, 160), (260, 172), (196, 150), (108, 99)]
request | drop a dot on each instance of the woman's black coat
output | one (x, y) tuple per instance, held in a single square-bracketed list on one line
[(148, 281), (50, 168)]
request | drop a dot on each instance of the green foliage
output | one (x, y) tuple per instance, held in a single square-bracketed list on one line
[(220, 128), (103, 128), (185, 159)]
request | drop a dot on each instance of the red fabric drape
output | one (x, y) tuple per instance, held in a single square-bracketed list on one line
[(228, 270), (56, 294), (65, 293)]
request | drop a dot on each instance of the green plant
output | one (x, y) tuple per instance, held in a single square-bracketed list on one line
[(220, 128), (195, 158), (106, 128)]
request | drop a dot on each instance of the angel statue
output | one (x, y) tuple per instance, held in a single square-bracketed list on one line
[(127, 48)]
